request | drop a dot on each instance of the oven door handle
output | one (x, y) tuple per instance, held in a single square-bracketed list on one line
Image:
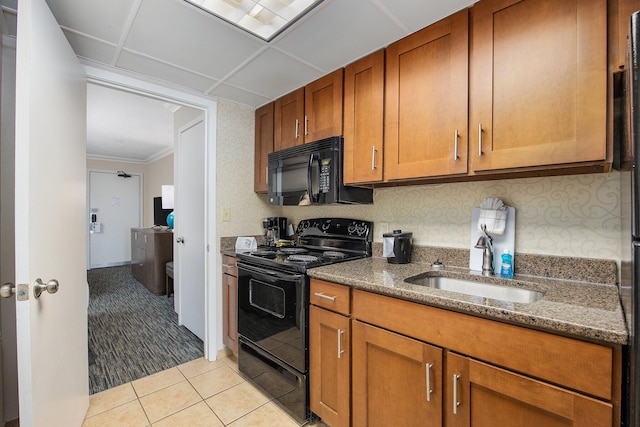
[(281, 276)]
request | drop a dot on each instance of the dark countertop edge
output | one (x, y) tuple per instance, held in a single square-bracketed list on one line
[(600, 335)]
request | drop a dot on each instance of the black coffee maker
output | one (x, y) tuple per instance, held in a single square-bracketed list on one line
[(397, 246), (275, 228)]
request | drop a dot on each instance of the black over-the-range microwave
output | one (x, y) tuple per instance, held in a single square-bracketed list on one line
[(311, 174)]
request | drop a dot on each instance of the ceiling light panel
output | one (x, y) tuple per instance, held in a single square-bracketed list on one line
[(262, 18)]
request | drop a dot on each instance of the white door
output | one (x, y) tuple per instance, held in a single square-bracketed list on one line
[(115, 200), (189, 268), (50, 221)]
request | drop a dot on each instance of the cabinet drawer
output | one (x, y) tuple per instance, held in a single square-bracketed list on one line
[(229, 265), (331, 296)]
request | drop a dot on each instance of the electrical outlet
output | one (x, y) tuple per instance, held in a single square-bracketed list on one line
[(226, 214)]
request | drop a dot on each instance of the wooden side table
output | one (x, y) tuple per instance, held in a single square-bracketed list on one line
[(169, 278)]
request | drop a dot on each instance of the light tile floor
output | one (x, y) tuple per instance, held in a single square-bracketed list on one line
[(198, 393)]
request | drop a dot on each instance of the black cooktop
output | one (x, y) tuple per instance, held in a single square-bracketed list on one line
[(320, 241)]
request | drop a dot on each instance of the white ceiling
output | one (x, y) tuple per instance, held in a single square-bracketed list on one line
[(178, 44)]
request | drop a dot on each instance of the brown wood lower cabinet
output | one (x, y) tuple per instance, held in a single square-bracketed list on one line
[(230, 303), (396, 380), (412, 364), (479, 394), (330, 352)]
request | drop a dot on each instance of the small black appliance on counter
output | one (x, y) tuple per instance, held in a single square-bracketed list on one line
[(397, 246), (275, 228)]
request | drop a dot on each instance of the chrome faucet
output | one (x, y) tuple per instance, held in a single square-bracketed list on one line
[(485, 242)]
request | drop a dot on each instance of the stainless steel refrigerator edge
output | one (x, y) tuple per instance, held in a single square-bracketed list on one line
[(630, 242)]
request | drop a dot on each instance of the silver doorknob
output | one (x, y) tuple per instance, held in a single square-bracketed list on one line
[(180, 240), (7, 290), (51, 286)]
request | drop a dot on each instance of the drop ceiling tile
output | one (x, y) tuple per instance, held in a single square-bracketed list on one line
[(239, 96), (98, 18), (179, 33), (416, 15), (147, 66), (273, 74), (85, 47), (340, 32)]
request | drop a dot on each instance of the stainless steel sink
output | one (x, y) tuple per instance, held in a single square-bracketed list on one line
[(485, 290)]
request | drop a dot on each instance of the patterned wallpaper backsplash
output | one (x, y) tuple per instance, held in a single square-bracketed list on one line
[(574, 216)]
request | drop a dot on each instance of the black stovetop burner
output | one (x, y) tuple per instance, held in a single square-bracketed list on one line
[(320, 241)]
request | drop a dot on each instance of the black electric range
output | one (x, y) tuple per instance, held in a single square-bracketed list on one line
[(273, 305), (319, 241)]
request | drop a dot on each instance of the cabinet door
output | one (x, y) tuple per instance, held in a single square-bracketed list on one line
[(263, 146), (538, 83), (289, 120), (426, 101), (364, 119), (323, 107), (329, 365), (481, 395), (396, 380), (230, 311)]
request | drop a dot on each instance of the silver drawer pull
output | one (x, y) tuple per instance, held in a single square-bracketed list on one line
[(340, 350), (322, 295), (455, 145)]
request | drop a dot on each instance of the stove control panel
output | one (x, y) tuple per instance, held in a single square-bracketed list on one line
[(336, 227)]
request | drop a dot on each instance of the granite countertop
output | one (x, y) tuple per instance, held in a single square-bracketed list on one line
[(580, 309)]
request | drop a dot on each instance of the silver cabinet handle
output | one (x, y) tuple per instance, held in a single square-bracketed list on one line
[(51, 286), (373, 157), (456, 400), (306, 125), (323, 295), (455, 145), (428, 380), (480, 140), (340, 350), (297, 128)]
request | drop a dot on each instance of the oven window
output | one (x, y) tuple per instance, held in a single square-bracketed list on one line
[(268, 298)]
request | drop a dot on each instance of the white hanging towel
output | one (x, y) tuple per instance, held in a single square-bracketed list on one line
[(493, 214)]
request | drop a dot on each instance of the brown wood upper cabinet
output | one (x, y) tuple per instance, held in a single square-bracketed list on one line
[(364, 119), (310, 113), (323, 107), (263, 146), (426, 113), (538, 84), (289, 120)]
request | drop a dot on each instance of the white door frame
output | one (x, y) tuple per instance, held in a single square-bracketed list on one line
[(209, 107)]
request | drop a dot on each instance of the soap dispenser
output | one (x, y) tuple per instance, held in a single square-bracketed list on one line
[(506, 265)]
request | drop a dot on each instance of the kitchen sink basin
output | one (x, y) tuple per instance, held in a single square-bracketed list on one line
[(479, 289)]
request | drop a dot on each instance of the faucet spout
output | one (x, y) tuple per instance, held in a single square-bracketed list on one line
[(485, 242)]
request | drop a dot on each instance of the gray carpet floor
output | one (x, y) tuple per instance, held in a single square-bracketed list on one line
[(132, 333)]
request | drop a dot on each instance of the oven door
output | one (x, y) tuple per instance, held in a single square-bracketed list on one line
[(272, 312)]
